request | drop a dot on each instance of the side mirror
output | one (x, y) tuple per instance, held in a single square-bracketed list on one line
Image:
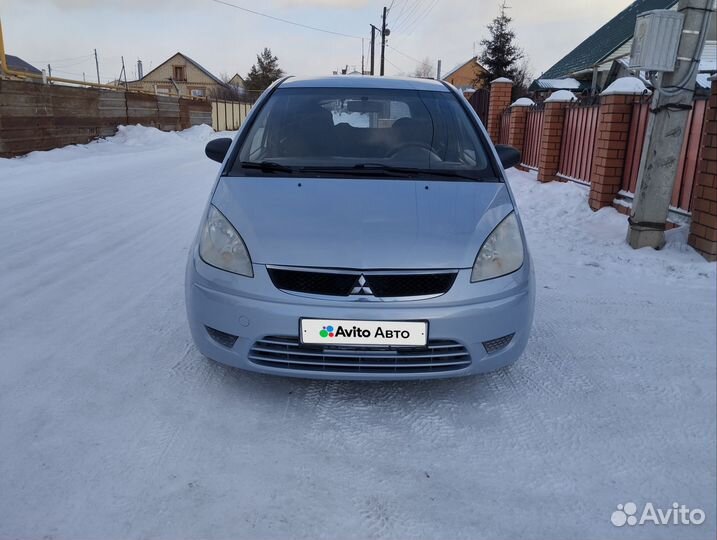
[(509, 156), (217, 149)]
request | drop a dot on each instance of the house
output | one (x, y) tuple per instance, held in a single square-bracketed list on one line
[(237, 81), (464, 76), (180, 75), (604, 56), (16, 63)]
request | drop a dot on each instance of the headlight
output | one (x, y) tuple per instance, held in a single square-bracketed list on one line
[(502, 252), (221, 245)]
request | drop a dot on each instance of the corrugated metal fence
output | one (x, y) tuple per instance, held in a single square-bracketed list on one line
[(579, 135), (533, 136), (504, 127)]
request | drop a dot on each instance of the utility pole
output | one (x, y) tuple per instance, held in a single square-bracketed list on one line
[(666, 124), (124, 71), (373, 47), (97, 66), (383, 39), (49, 70), (362, 58), (438, 70)]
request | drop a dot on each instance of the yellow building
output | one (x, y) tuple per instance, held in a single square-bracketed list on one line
[(179, 75), (464, 75)]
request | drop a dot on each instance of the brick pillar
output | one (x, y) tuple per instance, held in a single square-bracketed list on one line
[(703, 229), (500, 94), (611, 143), (516, 132), (552, 136)]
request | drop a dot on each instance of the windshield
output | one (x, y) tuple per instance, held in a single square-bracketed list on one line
[(307, 131)]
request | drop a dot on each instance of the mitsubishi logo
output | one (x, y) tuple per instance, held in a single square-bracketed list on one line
[(360, 287)]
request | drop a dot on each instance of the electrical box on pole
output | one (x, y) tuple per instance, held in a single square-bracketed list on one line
[(657, 36)]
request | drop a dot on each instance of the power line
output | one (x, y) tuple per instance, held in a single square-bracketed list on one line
[(394, 49), (306, 26), (423, 16)]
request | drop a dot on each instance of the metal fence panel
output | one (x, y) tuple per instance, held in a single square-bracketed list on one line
[(533, 137), (578, 145)]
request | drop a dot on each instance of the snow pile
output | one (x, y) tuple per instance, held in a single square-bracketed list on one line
[(523, 102), (597, 239), (561, 96), (627, 85)]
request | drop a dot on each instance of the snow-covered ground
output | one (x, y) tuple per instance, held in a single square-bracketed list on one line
[(112, 426)]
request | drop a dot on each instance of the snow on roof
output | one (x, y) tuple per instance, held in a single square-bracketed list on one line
[(626, 85), (523, 102), (703, 80), (558, 84), (459, 66), (501, 80), (561, 96)]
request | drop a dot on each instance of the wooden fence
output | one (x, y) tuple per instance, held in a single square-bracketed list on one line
[(35, 116), (229, 115), (578, 144), (689, 155), (533, 136)]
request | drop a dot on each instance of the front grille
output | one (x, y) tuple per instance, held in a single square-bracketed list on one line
[(345, 283), (395, 285), (313, 282), (287, 353)]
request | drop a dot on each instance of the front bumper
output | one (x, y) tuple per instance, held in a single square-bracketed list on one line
[(252, 309)]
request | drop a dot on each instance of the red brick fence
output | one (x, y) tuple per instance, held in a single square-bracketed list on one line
[(599, 143)]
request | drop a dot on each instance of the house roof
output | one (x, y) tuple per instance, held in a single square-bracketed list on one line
[(237, 79), (195, 64), (556, 84), (18, 64), (605, 40), (473, 60)]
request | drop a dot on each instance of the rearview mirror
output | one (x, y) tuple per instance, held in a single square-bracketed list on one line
[(217, 149), (509, 156)]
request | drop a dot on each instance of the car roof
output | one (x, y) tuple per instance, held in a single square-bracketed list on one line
[(365, 81)]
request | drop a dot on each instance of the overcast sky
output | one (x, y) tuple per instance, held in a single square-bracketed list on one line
[(226, 40)]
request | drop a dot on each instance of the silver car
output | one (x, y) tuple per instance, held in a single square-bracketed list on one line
[(361, 228)]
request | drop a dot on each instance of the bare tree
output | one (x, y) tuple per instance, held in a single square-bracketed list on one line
[(424, 70)]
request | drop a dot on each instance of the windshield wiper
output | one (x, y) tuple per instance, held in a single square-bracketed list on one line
[(267, 166), (414, 171)]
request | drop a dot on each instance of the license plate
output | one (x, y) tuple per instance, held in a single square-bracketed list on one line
[(349, 332)]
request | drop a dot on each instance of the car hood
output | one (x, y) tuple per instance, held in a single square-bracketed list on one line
[(362, 223)]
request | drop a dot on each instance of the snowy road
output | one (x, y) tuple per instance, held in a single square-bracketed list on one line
[(113, 427)]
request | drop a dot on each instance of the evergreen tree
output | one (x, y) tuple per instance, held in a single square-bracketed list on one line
[(264, 72), (500, 55)]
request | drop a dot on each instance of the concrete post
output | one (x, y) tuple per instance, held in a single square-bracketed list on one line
[(500, 94), (666, 130), (703, 229), (552, 136), (516, 131), (616, 104)]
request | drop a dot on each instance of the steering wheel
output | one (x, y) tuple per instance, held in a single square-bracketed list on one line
[(403, 146)]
